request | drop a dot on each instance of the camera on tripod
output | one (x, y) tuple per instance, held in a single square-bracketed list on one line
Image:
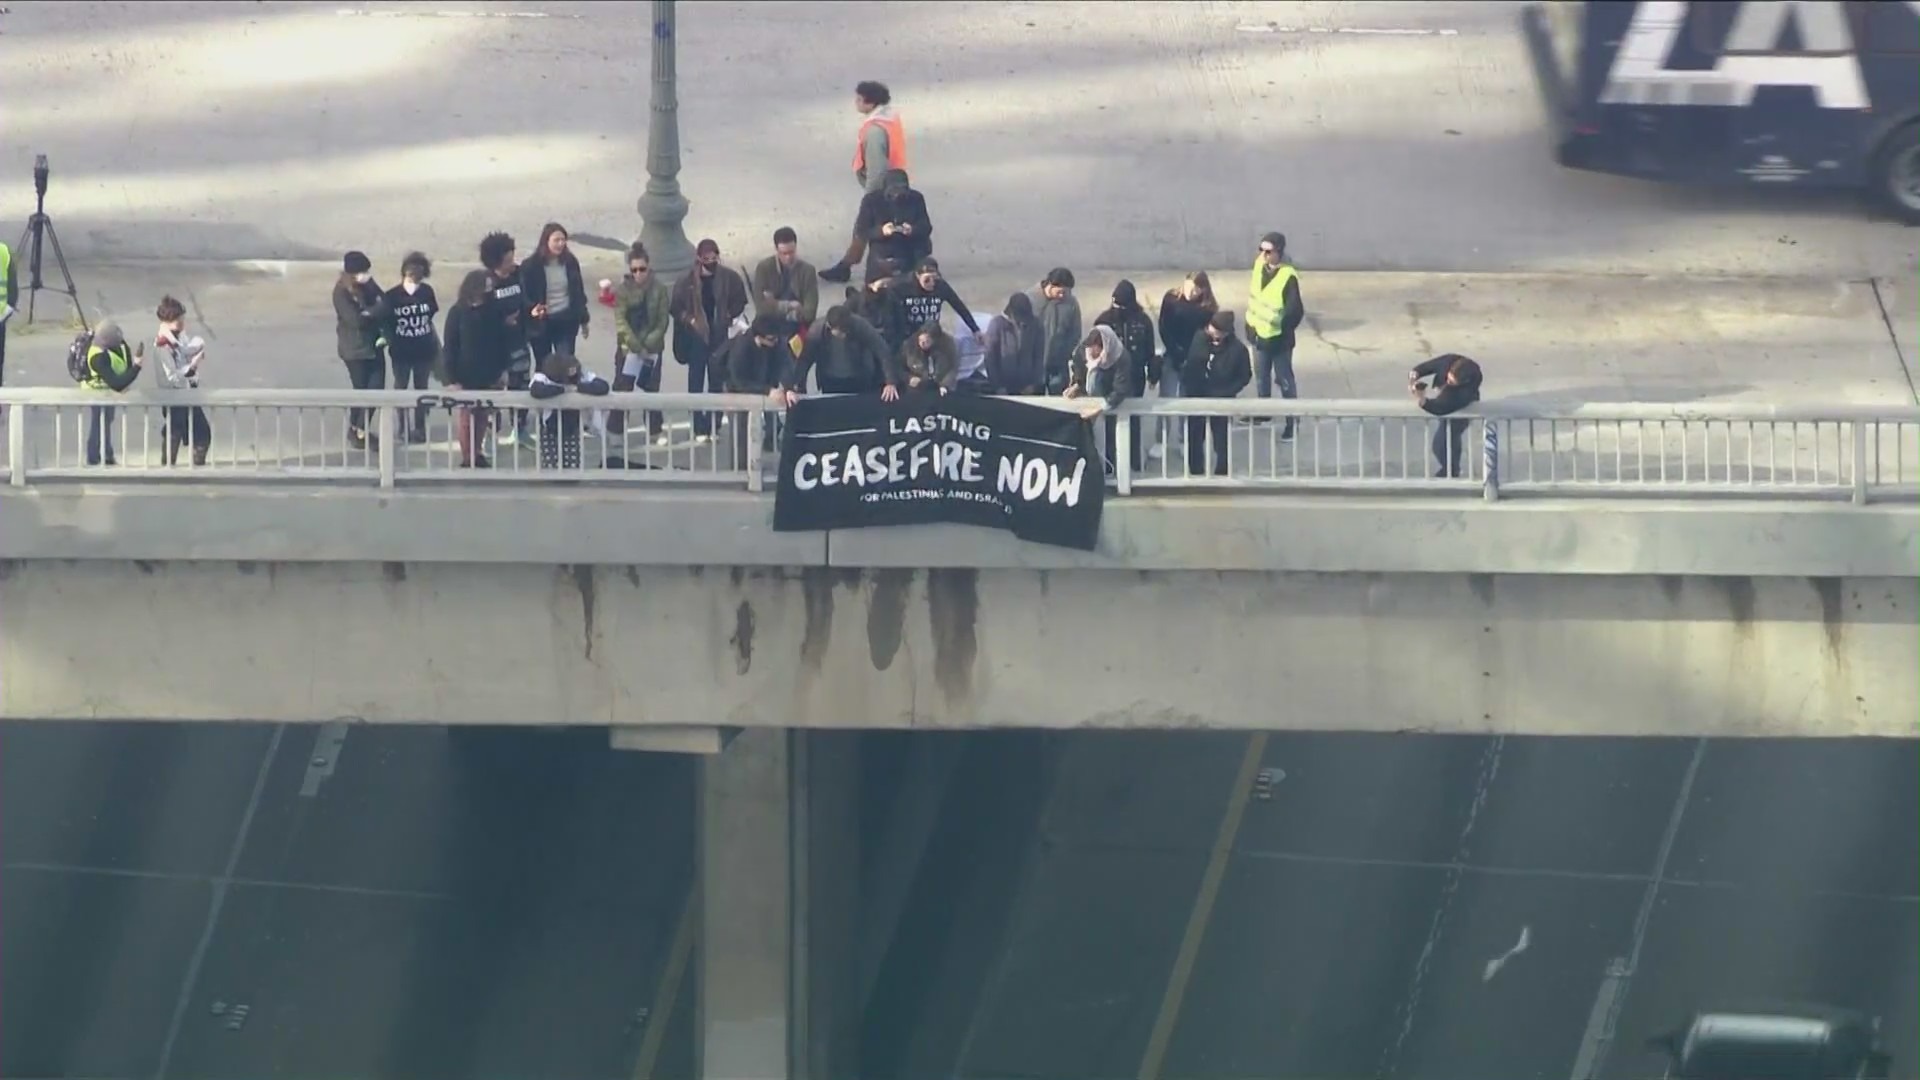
[(39, 236)]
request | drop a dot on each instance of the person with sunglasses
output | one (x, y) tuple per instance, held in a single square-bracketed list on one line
[(640, 304), (1274, 311)]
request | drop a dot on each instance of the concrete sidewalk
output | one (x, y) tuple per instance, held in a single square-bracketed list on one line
[(1546, 338)]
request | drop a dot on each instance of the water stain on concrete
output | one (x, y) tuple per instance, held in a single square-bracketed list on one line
[(816, 591), (1831, 591), (1482, 587), (396, 572), (953, 608), (887, 615), (742, 639), (1740, 601), (583, 583), (633, 575)]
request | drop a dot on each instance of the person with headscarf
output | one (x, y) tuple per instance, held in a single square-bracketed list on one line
[(928, 363), (1102, 369), (112, 366), (1014, 363)]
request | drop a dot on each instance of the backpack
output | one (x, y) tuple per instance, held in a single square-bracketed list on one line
[(78, 368)]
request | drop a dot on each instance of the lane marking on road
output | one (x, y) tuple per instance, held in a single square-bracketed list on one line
[(363, 13), (1623, 971), (216, 900), (1356, 31), (1449, 890), (1202, 913), (328, 742), (243, 882), (666, 993), (1586, 1062)]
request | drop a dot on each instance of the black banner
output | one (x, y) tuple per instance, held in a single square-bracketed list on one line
[(859, 462)]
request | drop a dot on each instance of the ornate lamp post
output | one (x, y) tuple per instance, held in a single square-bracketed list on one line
[(663, 208)]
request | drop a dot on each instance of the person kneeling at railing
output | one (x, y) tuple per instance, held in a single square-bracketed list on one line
[(1457, 386), (560, 428), (111, 366)]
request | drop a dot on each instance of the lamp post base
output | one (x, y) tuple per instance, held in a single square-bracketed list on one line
[(661, 213)]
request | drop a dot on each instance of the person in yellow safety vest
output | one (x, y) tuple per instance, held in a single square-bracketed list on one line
[(6, 307), (112, 366), (1274, 311), (879, 148)]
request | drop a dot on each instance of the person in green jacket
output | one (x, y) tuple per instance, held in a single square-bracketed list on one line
[(641, 320)]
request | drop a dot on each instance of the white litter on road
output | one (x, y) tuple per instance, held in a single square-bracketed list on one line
[(1494, 965), (1373, 31), (452, 14)]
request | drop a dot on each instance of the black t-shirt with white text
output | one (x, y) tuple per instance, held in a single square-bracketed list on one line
[(411, 333)]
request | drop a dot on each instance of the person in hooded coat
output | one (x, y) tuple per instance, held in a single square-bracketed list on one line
[(1014, 363), (1102, 369), (1456, 385), (929, 362), (1135, 329), (894, 220), (1217, 366)]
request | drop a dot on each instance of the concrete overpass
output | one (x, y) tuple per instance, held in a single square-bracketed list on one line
[(1357, 595), (660, 603)]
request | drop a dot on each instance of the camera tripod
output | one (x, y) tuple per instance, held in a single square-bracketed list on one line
[(35, 238)]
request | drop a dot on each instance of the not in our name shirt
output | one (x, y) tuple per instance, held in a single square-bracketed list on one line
[(412, 319), (508, 304)]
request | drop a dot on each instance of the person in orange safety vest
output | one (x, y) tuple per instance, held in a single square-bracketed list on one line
[(880, 147)]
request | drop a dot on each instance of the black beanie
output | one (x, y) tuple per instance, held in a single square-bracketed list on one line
[(1222, 321), (356, 262), (1124, 296)]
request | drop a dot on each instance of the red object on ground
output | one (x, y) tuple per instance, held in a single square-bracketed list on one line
[(606, 292)]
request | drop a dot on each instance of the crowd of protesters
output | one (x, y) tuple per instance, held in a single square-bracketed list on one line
[(521, 325)]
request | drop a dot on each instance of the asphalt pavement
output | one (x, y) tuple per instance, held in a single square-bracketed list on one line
[(1362, 908), (203, 902)]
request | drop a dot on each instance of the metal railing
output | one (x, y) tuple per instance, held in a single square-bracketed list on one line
[(1859, 453)]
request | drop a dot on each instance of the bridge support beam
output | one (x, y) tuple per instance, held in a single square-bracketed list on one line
[(779, 880)]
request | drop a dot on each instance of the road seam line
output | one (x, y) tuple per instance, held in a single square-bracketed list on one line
[(666, 993), (216, 900), (1204, 899)]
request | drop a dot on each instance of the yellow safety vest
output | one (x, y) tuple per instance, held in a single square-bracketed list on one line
[(116, 358), (6, 266), (1264, 305)]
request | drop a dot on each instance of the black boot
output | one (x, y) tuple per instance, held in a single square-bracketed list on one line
[(839, 273)]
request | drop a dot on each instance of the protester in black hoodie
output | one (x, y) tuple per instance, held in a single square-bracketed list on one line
[(556, 295), (360, 310), (1016, 362), (755, 362), (412, 344), (1457, 385), (846, 350), (1134, 327), (1184, 312), (894, 220), (1217, 366), (472, 361)]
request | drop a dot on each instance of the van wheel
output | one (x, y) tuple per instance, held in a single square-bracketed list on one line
[(1896, 174)]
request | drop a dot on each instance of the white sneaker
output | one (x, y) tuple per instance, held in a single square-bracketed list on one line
[(1155, 452)]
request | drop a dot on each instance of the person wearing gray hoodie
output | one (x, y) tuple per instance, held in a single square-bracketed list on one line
[(1013, 361), (1102, 369), (1059, 314)]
